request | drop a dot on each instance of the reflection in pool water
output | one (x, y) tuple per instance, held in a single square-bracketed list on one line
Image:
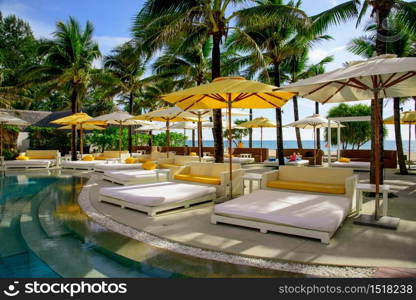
[(48, 235)]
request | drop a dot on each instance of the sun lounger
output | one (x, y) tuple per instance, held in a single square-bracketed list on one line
[(356, 165), (304, 214), (157, 197), (28, 164), (117, 166), (81, 164), (131, 177)]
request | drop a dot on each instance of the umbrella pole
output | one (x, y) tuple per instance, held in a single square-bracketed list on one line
[(410, 142), (199, 137), (261, 144), (119, 141), (314, 145), (1, 139), (81, 142), (230, 146), (376, 149), (184, 135), (167, 139)]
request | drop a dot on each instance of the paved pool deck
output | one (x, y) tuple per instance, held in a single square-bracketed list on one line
[(388, 251)]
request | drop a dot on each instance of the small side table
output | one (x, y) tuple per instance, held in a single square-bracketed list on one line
[(166, 172), (364, 187), (251, 177)]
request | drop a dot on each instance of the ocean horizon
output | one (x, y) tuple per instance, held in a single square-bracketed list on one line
[(309, 144)]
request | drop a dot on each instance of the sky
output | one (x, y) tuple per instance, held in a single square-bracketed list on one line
[(113, 21)]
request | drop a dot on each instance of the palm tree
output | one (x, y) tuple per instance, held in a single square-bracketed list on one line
[(380, 12), (67, 65), (401, 45), (127, 65), (269, 45), (160, 21)]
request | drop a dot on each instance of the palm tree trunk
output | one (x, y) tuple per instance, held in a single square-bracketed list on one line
[(217, 118), (279, 129), (398, 134), (250, 130), (318, 131), (296, 115), (381, 48), (193, 137), (130, 135), (74, 108)]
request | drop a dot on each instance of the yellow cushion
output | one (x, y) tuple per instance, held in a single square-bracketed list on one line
[(200, 179), (143, 160), (88, 158), (149, 165), (344, 159), (130, 160), (226, 155), (193, 154), (22, 157), (168, 166), (101, 157), (308, 186)]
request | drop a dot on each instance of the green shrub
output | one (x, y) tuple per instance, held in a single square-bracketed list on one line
[(46, 138)]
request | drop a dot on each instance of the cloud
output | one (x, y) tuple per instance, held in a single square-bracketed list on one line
[(333, 2), (317, 55)]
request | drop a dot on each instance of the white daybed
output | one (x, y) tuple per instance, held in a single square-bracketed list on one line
[(299, 213), (82, 164), (132, 177), (356, 165), (157, 197), (117, 166), (29, 164), (241, 160)]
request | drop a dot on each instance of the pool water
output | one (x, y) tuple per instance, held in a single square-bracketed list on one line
[(44, 233)]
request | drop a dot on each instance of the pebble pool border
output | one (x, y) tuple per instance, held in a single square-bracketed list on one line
[(152, 240)]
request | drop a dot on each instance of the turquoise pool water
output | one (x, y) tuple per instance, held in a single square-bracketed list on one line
[(44, 233)]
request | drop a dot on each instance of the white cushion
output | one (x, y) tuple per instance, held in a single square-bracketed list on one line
[(105, 167), (155, 194), (81, 163), (130, 174), (352, 164), (309, 211)]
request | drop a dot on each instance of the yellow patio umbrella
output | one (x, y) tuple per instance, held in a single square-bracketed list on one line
[(259, 123), (79, 121), (229, 92), (167, 115), (409, 118)]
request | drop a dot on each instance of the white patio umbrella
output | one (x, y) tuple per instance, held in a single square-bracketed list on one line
[(168, 115), (7, 119), (380, 77), (185, 126), (313, 122), (120, 118)]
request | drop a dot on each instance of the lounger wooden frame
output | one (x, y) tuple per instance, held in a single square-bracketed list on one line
[(40, 165), (78, 167), (153, 210), (264, 227)]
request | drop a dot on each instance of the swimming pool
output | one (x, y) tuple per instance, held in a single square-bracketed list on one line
[(45, 233)]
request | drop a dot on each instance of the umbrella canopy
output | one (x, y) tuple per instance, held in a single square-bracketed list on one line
[(168, 115), (184, 125), (377, 78), (229, 93), (151, 127), (259, 123), (409, 118), (83, 126), (7, 119), (79, 120), (312, 122), (224, 124), (120, 118)]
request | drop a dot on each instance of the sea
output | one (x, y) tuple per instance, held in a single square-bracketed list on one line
[(309, 144)]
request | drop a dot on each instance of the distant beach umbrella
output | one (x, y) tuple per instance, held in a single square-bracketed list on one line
[(259, 123), (229, 93), (313, 122), (120, 118), (384, 76), (7, 119), (408, 118), (168, 115)]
